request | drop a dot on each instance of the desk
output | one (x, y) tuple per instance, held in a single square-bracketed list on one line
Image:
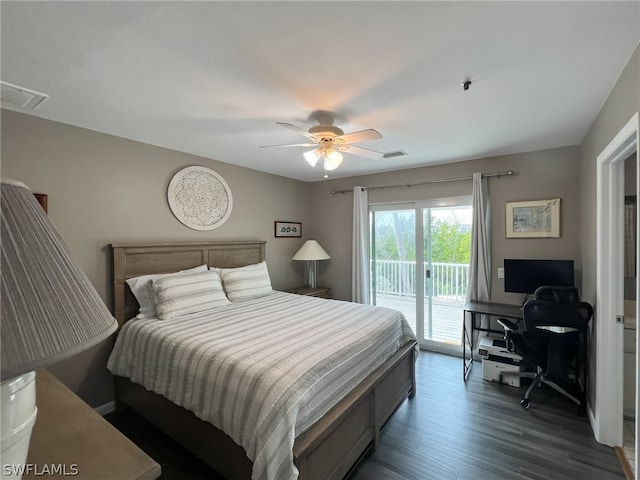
[(491, 309)]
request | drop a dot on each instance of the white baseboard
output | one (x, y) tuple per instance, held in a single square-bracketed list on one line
[(108, 407)]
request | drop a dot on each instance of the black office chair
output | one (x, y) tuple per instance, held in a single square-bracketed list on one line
[(552, 340), (557, 294), (548, 293)]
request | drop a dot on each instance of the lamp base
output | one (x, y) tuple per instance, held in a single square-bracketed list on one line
[(311, 273), (18, 396)]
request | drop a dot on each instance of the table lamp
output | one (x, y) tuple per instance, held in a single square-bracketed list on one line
[(49, 311), (311, 251)]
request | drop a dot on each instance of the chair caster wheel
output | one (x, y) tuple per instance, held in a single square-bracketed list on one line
[(525, 403)]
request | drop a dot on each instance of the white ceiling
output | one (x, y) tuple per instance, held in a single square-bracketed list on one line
[(212, 78)]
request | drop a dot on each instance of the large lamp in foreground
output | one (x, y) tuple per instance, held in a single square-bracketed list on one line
[(49, 311), (311, 251)]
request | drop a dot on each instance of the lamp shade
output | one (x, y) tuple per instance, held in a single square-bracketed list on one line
[(312, 157), (311, 250), (332, 160), (50, 310)]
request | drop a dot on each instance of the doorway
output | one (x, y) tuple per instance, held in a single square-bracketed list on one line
[(629, 394), (607, 414)]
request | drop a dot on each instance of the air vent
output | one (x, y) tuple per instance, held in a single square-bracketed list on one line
[(20, 98), (397, 153)]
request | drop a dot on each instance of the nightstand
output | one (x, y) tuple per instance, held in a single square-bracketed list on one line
[(322, 292), (70, 436)]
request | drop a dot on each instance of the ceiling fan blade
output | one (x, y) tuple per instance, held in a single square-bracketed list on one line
[(361, 136), (361, 152), (290, 145), (299, 130)]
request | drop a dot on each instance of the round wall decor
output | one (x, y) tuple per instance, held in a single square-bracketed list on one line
[(200, 198)]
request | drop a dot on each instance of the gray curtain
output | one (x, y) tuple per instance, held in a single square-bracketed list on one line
[(480, 264), (360, 247)]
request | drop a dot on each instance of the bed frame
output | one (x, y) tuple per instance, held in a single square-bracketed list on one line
[(330, 449)]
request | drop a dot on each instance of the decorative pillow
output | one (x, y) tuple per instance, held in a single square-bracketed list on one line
[(177, 295), (140, 288), (246, 283)]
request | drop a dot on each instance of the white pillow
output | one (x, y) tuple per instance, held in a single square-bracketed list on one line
[(246, 283), (177, 295), (141, 290)]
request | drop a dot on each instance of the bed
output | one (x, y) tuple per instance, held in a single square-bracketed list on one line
[(327, 449)]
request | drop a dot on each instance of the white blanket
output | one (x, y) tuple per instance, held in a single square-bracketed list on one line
[(263, 371)]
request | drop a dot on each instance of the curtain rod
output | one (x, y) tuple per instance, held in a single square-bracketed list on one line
[(444, 180)]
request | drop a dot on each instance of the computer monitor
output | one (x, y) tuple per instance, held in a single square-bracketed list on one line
[(525, 276)]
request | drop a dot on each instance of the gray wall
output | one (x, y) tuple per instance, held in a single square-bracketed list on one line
[(104, 189), (622, 103), (539, 175)]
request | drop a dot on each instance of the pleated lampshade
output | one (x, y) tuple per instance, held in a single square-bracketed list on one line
[(50, 310)]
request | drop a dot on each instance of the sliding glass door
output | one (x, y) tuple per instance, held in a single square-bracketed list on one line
[(447, 241), (393, 260), (419, 265)]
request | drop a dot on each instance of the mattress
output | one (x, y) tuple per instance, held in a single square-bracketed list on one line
[(262, 371)]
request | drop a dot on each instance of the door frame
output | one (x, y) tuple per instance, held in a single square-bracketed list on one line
[(606, 415)]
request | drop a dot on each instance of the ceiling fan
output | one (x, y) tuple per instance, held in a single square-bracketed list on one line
[(330, 142)]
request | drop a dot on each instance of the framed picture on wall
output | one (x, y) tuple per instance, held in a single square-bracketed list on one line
[(42, 200), (288, 229), (533, 219)]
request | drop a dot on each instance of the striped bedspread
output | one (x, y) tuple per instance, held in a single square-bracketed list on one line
[(263, 371)]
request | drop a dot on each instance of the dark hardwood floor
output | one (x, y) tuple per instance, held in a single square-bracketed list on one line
[(449, 430)]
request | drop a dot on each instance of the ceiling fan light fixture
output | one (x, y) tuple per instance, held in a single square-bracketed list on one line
[(312, 157), (332, 159), (331, 142)]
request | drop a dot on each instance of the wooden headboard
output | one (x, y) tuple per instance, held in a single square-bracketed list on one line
[(133, 260)]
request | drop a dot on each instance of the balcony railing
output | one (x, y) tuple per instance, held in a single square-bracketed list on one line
[(446, 281), (445, 291)]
